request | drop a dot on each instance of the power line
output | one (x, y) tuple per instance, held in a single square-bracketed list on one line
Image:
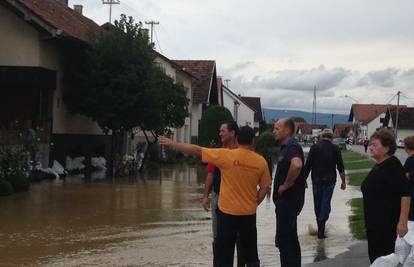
[(158, 42), (392, 98), (152, 23), (110, 3), (407, 98)]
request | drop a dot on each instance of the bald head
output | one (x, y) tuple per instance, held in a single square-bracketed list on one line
[(284, 129)]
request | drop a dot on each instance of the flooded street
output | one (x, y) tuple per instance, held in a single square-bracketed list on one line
[(157, 221)]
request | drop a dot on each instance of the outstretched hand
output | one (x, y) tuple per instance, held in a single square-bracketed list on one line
[(163, 140)]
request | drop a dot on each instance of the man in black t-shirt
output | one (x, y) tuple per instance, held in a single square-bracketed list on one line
[(323, 160), (409, 170), (288, 193)]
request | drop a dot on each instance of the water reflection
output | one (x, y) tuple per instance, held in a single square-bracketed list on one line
[(320, 251), (150, 220)]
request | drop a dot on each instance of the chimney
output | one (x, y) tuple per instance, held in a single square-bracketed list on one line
[(65, 2), (78, 8), (145, 33)]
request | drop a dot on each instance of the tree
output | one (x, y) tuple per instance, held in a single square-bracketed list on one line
[(118, 84), (210, 124), (266, 144)]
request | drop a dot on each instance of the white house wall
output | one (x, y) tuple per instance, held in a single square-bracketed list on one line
[(228, 102), (374, 125), (245, 115), (403, 133), (196, 113)]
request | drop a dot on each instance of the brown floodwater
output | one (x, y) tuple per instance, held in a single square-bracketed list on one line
[(154, 220)]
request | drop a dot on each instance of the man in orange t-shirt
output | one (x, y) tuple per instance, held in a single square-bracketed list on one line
[(228, 136), (242, 172)]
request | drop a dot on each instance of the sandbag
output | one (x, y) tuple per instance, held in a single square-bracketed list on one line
[(391, 260)]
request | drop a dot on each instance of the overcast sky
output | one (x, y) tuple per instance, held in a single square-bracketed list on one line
[(279, 50)]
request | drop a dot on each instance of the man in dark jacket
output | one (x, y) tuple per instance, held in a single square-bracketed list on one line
[(323, 160), (288, 192)]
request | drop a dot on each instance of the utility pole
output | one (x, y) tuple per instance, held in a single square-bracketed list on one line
[(152, 23), (226, 81), (110, 3), (396, 115), (314, 106), (332, 121)]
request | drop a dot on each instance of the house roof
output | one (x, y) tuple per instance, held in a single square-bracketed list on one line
[(173, 63), (306, 128), (56, 18), (203, 70), (238, 97), (254, 102), (340, 127), (365, 113), (405, 118)]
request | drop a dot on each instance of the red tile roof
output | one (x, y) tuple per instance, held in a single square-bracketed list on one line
[(340, 127), (254, 103), (365, 113), (61, 17), (203, 70)]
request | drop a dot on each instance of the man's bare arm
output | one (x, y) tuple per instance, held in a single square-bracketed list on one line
[(184, 148), (208, 186), (343, 184), (293, 173), (261, 194)]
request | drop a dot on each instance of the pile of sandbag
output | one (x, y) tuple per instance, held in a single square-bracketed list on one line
[(99, 163), (403, 254), (75, 164)]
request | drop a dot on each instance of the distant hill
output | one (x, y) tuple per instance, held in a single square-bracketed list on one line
[(321, 118)]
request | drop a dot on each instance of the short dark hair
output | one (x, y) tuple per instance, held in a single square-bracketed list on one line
[(290, 124), (387, 139), (409, 142), (245, 136), (232, 126)]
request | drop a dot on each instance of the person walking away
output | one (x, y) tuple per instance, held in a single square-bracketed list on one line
[(245, 180), (288, 193), (386, 196), (228, 136), (366, 143), (323, 160)]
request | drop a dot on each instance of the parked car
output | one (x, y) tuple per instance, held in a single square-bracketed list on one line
[(340, 142), (400, 143)]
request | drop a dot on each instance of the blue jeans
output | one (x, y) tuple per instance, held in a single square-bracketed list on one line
[(287, 236), (322, 195)]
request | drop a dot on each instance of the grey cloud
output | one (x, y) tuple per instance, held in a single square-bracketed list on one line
[(298, 80), (237, 68), (383, 78)]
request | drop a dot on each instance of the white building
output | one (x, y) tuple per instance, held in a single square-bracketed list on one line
[(405, 122), (367, 118), (204, 90), (242, 113)]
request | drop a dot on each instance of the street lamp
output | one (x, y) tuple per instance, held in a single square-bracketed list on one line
[(350, 97)]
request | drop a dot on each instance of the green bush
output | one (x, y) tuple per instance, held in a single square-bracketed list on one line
[(210, 124), (19, 182), (266, 145), (6, 189)]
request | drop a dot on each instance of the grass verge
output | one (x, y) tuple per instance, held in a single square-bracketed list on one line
[(356, 220), (366, 164), (356, 179)]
